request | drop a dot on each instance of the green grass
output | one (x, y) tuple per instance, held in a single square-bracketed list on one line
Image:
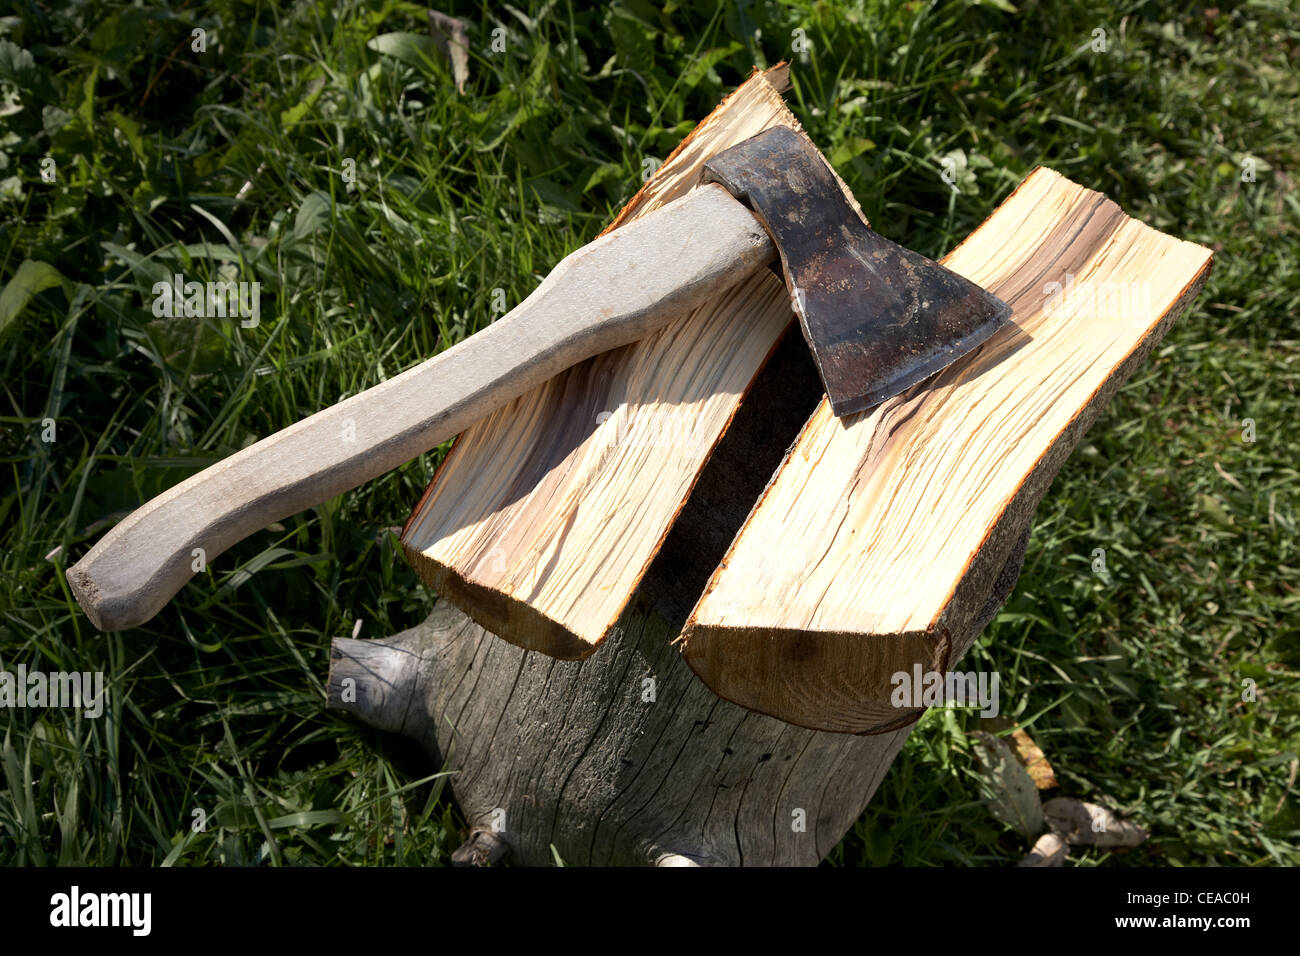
[(230, 163)]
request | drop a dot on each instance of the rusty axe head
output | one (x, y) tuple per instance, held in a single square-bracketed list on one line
[(878, 318)]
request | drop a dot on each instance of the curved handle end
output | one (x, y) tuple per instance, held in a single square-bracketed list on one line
[(109, 609)]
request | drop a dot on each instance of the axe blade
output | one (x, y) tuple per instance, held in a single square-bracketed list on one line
[(878, 317)]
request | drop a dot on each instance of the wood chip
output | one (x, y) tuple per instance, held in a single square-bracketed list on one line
[(1049, 850)]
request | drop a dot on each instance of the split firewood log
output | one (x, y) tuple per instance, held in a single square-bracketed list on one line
[(871, 550)]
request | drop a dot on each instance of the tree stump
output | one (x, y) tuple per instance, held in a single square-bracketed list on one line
[(624, 758)]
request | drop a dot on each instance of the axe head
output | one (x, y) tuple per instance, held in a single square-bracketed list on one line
[(879, 318)]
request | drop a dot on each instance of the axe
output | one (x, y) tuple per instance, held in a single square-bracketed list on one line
[(878, 318)]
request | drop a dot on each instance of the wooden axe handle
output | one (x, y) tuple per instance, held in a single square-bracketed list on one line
[(609, 293)]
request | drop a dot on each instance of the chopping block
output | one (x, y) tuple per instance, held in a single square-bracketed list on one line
[(676, 586)]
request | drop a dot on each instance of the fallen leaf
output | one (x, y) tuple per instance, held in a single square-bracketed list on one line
[(1087, 824), (32, 277), (1034, 760), (1012, 796), (451, 37)]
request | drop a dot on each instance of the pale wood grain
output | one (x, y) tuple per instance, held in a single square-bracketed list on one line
[(860, 559)]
